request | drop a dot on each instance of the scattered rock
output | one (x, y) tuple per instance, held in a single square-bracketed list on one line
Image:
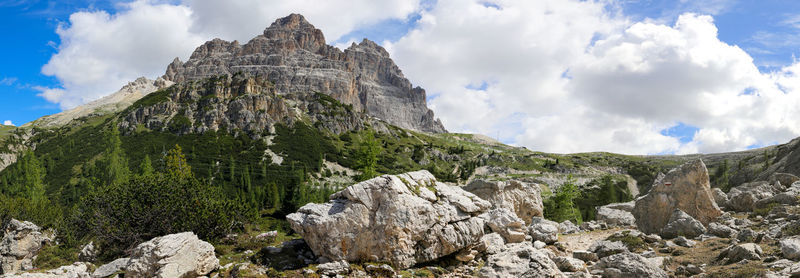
[(267, 235), (720, 230), (628, 265), (383, 270), (783, 178), (790, 248), (490, 243), (682, 224), (652, 238), (746, 235), (568, 264), (175, 255), (746, 251), (743, 198), (604, 248), (334, 268), (719, 197), (20, 245), (292, 254), (519, 260), (567, 227), (683, 241), (522, 198), (686, 188), (403, 219), (75, 270), (88, 252), (615, 217), (585, 256), (110, 268), (544, 230)]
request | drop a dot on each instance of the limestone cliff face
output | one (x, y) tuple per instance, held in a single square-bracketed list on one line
[(293, 56), (237, 103)]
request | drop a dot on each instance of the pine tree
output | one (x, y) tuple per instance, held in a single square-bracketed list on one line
[(116, 163), (367, 155), (146, 168), (177, 165)]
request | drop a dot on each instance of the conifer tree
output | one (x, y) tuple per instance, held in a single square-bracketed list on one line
[(116, 163), (367, 155), (177, 165), (146, 168)]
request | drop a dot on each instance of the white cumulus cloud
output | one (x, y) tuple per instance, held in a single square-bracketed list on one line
[(8, 122), (100, 51)]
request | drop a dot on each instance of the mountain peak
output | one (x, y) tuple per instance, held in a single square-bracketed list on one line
[(292, 21)]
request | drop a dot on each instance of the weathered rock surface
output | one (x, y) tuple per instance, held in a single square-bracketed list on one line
[(293, 56), (21, 243), (628, 265), (110, 268), (507, 224), (519, 260), (403, 219), (544, 230), (604, 248), (334, 268), (720, 230), (567, 227), (615, 217), (175, 255), (745, 251), (719, 197), (686, 188), (744, 197), (524, 199), (682, 224), (75, 270), (790, 248), (292, 254)]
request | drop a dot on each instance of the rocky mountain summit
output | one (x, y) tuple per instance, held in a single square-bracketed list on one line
[(292, 55)]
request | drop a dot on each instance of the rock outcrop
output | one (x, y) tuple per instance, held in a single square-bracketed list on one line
[(403, 219), (628, 265), (686, 188), (175, 255), (20, 245), (293, 56), (524, 199)]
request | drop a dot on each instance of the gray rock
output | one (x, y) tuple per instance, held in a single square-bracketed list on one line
[(783, 178), (785, 198), (522, 198), (292, 254), (175, 255), (544, 230), (75, 270), (615, 217), (490, 243), (652, 238), (21, 243), (746, 235), (383, 270), (585, 256), (720, 230), (110, 268), (683, 241), (719, 197), (686, 188), (403, 219), (519, 260), (567, 264), (790, 248), (628, 265), (567, 227), (744, 197), (682, 224), (334, 268), (507, 224), (88, 252), (746, 251), (604, 248), (293, 56)]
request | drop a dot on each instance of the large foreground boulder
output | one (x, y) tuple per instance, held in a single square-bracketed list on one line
[(404, 219), (524, 199), (20, 245), (175, 255), (686, 188)]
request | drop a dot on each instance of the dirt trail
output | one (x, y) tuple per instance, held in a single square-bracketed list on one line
[(582, 241)]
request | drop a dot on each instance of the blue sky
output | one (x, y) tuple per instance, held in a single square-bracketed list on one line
[(768, 31)]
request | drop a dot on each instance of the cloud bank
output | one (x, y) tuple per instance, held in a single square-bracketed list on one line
[(556, 76)]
